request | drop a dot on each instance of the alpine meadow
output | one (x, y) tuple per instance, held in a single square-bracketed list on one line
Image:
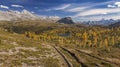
[(59, 33)]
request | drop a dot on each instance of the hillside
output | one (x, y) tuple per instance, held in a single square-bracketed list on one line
[(17, 50), (49, 44)]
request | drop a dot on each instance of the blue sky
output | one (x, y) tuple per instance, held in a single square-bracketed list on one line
[(79, 10)]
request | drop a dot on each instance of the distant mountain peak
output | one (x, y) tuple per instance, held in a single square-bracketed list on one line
[(66, 20), (117, 24), (25, 12), (104, 22)]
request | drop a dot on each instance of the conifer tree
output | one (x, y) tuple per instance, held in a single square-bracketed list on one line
[(106, 43)]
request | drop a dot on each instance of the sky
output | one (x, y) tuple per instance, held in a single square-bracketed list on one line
[(79, 10)]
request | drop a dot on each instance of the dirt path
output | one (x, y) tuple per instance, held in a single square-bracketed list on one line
[(99, 58), (65, 59), (75, 57), (69, 56)]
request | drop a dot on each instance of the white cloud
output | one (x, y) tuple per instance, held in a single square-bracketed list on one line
[(61, 7), (104, 13), (77, 9), (14, 5), (98, 11), (111, 6), (92, 11), (117, 4), (86, 6), (3, 6)]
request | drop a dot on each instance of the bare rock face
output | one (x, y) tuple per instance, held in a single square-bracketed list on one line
[(66, 20)]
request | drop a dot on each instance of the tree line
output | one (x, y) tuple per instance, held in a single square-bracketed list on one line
[(80, 37)]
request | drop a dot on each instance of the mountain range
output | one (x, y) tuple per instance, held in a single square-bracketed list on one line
[(12, 15), (101, 22)]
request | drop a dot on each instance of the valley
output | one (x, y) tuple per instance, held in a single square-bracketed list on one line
[(50, 44), (59, 33)]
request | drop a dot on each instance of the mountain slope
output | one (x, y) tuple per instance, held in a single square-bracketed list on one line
[(12, 15), (66, 20), (15, 15)]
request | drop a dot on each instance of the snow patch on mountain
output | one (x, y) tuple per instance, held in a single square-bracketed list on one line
[(12, 15)]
